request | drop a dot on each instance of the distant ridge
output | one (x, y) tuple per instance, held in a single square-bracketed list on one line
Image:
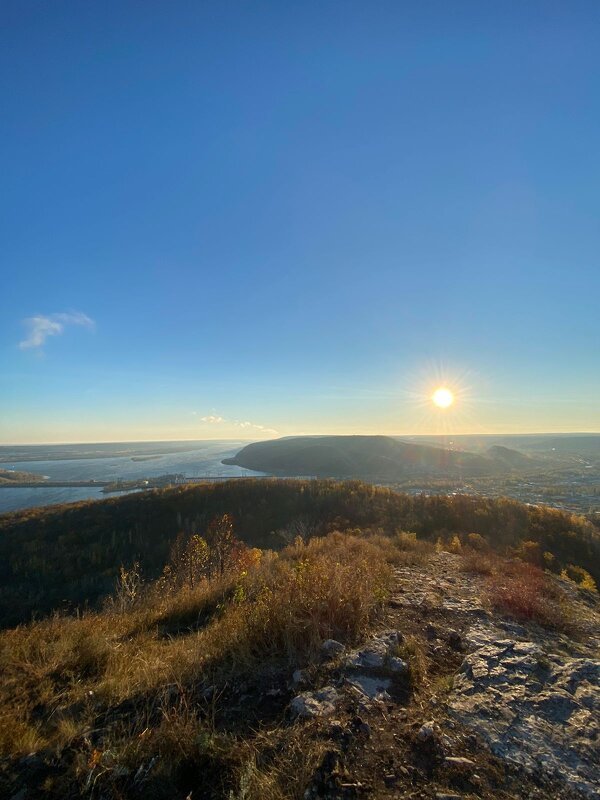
[(367, 456), (512, 459)]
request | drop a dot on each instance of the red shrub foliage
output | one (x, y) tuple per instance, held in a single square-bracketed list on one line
[(525, 592)]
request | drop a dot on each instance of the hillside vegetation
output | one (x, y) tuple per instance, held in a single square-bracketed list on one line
[(69, 556), (380, 457), (212, 667)]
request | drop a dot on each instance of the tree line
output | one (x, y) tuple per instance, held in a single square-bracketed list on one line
[(69, 556)]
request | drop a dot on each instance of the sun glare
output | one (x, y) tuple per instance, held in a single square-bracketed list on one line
[(442, 397)]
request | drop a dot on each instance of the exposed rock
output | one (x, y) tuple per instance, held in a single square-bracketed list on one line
[(369, 658), (536, 710), (34, 766), (395, 664), (378, 654), (299, 678), (426, 731), (459, 761), (373, 688), (321, 703), (331, 648), (455, 640), (465, 605)]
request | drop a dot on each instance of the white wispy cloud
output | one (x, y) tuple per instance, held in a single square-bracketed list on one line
[(214, 419), (40, 327), (254, 426)]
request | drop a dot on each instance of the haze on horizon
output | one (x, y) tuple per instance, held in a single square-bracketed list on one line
[(226, 221)]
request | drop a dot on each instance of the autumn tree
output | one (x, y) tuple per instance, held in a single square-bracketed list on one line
[(128, 587), (195, 559), (221, 540), (189, 560)]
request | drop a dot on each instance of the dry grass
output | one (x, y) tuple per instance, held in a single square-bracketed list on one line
[(412, 650), (404, 549), (137, 675), (525, 592), (329, 588), (278, 764), (480, 563), (522, 590)]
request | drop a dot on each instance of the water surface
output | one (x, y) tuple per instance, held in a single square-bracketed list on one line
[(202, 461)]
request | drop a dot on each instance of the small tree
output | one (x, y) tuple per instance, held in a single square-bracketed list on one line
[(189, 560), (195, 560), (129, 585), (221, 540), (304, 527)]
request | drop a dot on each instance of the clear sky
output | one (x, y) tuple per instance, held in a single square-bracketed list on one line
[(242, 219)]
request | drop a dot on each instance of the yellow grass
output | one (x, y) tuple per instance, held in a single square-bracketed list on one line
[(59, 672)]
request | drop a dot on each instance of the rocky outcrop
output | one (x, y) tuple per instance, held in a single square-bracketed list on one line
[(369, 672), (524, 695), (532, 695), (537, 710)]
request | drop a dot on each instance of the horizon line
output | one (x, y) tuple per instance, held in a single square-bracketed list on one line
[(296, 435)]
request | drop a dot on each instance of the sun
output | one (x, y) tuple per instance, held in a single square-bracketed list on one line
[(442, 397)]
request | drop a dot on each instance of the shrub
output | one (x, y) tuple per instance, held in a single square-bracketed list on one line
[(327, 588), (480, 563), (531, 552), (128, 587), (523, 591), (580, 576), (477, 542), (412, 651)]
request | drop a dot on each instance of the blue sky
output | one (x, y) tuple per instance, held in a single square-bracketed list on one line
[(244, 219)]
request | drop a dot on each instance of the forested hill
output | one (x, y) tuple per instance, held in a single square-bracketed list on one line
[(64, 556), (373, 457)]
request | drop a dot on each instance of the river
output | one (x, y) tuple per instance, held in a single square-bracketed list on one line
[(203, 459)]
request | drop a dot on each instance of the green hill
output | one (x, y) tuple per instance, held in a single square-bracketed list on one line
[(372, 457)]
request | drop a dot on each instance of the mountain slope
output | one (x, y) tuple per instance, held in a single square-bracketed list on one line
[(359, 456), (511, 459)]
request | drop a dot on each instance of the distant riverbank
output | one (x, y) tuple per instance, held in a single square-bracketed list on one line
[(85, 476)]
